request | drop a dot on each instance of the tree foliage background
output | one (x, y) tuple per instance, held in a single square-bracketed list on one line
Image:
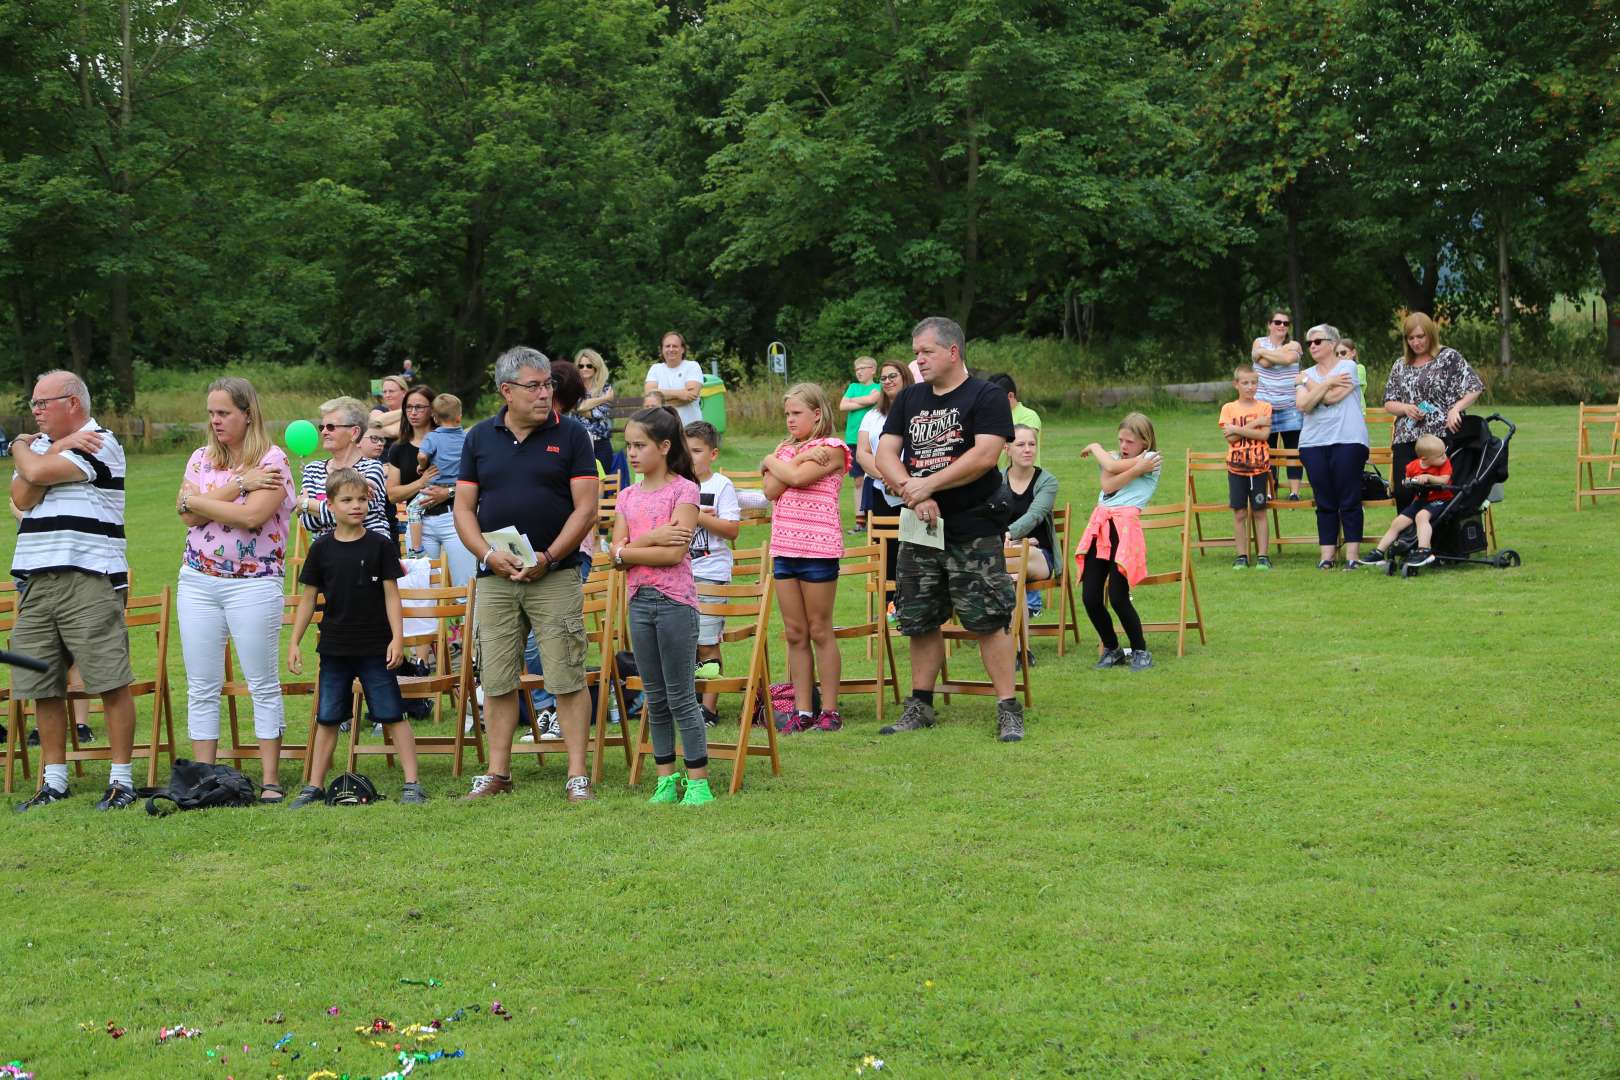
[(189, 183)]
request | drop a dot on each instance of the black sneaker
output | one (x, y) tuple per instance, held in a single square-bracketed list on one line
[(412, 794), (1009, 721), (33, 736), (307, 796), (710, 718), (1240, 563), (1141, 659), (1421, 557), (118, 796), (915, 714), (84, 733), (1374, 557), (1111, 658), (43, 797), (1262, 563), (1325, 564), (1293, 496)]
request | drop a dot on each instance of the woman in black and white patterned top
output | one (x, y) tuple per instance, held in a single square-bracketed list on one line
[(343, 421), (1428, 391)]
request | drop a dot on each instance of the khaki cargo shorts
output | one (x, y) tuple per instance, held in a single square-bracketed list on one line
[(553, 608), (66, 617)]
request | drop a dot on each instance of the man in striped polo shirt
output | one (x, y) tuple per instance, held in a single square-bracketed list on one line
[(73, 571)]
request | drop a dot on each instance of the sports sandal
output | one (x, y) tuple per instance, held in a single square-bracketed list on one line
[(266, 789)]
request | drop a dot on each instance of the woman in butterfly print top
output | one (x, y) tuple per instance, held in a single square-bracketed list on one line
[(236, 499)]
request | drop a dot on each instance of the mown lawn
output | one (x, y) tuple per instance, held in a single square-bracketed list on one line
[(1369, 829)]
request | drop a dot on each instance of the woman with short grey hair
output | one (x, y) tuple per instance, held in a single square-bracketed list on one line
[(343, 422), (1333, 445)]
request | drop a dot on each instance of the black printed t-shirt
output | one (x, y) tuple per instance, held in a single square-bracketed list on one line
[(937, 429), (351, 574)]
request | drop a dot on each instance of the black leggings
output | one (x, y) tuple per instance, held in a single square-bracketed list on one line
[(1098, 573), (1288, 440)]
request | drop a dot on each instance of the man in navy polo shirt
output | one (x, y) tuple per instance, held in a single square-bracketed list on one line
[(529, 469)]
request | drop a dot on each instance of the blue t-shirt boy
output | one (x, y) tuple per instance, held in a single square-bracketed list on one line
[(442, 448)]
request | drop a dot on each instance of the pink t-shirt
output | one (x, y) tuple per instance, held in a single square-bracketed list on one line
[(805, 523), (227, 551), (646, 510)]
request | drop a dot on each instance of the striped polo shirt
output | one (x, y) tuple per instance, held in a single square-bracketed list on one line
[(78, 525)]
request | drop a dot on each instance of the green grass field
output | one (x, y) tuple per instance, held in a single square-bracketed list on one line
[(1369, 830)]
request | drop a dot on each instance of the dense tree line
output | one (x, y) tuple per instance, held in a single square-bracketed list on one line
[(184, 182)]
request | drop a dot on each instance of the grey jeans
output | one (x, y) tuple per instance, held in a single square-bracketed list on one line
[(663, 635)]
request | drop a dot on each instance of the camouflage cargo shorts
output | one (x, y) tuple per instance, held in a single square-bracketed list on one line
[(969, 578)]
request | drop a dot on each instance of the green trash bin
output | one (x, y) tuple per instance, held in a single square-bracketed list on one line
[(712, 400)]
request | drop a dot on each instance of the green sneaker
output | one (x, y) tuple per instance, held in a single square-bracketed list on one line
[(667, 792), (697, 793)]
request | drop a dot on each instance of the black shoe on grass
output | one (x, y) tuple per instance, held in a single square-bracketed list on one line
[(118, 796), (43, 797)]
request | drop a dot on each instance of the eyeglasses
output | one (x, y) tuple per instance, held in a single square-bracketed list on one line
[(418, 407), (334, 427), (889, 376), (41, 402), (1279, 322), (1314, 342), (535, 387)]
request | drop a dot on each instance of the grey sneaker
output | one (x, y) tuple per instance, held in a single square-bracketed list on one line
[(412, 794), (1141, 659), (1111, 658), (308, 796), (1010, 721), (914, 715)]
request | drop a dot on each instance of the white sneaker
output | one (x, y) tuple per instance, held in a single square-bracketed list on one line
[(546, 721)]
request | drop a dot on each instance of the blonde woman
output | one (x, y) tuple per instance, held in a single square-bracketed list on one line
[(803, 476), (236, 501), (596, 410)]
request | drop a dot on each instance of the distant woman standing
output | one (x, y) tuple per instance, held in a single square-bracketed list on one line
[(680, 380), (236, 501), (1276, 361), (596, 411), (1333, 445), (1427, 392)]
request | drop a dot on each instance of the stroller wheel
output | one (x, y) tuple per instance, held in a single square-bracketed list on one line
[(1408, 571), (1389, 567), (1507, 559)]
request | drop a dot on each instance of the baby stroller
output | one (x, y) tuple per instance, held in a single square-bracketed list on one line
[(1479, 469)]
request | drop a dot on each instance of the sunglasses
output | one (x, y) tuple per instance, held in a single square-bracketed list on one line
[(1314, 342), (1279, 322), (334, 427)]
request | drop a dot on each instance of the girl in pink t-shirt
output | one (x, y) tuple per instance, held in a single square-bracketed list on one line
[(803, 476), (652, 536)]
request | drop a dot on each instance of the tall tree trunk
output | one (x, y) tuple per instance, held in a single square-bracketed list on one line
[(970, 240), (1296, 295), (469, 322), (1417, 294), (81, 341), (1504, 290), (1229, 284), (118, 345), (1608, 253)]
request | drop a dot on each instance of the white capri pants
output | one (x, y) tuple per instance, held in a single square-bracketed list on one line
[(247, 613)]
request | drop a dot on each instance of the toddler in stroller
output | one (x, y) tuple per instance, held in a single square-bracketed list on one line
[(1477, 461)]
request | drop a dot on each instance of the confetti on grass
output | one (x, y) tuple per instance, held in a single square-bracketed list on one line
[(179, 1031), (13, 1070)]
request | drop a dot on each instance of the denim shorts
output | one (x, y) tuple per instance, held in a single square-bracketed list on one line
[(383, 702), (814, 571)]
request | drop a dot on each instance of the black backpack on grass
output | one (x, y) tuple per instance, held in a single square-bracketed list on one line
[(194, 785)]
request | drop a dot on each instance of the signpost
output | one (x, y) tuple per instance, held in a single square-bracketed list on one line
[(776, 353)]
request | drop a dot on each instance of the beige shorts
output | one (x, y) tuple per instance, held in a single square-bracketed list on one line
[(66, 617), (553, 608)]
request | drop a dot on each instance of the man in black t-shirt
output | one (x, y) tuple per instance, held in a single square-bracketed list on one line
[(938, 452), (530, 469)]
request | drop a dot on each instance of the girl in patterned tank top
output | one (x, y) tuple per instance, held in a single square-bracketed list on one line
[(803, 476)]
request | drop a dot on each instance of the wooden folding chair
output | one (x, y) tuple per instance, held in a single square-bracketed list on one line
[(8, 619), (1018, 555), (1060, 583), (599, 601), (446, 605), (750, 480), (866, 563), (746, 606), (1202, 462), (1174, 516), (140, 612), (1600, 422), (235, 688)]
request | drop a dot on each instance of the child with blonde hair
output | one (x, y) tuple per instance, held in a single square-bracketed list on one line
[(803, 476), (1113, 552)]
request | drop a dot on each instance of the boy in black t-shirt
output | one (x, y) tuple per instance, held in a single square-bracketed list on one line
[(362, 632)]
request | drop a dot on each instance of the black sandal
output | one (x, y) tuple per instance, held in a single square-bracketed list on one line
[(266, 788)]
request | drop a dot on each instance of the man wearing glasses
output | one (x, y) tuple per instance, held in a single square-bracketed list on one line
[(529, 468), (72, 564)]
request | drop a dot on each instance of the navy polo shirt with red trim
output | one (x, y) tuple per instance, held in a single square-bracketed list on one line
[(525, 483)]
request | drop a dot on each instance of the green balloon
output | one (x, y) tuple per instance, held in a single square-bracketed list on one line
[(300, 438)]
